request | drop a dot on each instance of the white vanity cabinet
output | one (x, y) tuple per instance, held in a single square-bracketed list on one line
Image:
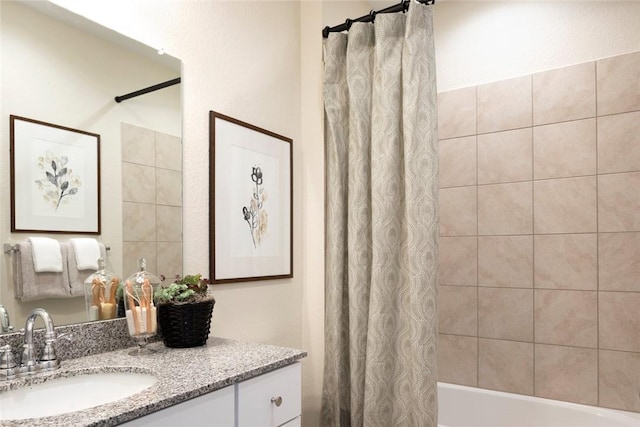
[(272, 399)]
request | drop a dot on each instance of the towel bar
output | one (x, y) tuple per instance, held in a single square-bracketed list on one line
[(9, 248)]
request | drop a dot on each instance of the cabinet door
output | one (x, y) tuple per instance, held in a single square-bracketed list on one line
[(271, 399), (211, 409)]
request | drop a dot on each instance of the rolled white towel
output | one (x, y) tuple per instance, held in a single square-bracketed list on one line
[(87, 252), (47, 256)]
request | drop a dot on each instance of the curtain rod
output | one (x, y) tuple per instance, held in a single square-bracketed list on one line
[(403, 6), (148, 89)]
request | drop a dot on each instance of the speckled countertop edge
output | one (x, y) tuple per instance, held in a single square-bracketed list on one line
[(182, 374)]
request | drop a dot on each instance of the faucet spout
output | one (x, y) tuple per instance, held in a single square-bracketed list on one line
[(31, 320), (48, 360)]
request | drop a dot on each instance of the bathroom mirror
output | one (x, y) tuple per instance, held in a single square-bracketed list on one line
[(60, 68)]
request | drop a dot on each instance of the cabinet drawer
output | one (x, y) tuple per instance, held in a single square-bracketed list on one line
[(257, 398)]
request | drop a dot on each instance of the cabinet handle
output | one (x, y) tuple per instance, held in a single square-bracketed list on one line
[(277, 401)]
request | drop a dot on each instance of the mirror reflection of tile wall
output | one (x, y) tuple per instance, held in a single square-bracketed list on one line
[(152, 200)]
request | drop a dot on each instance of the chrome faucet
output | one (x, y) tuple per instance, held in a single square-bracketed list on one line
[(48, 360), (5, 323)]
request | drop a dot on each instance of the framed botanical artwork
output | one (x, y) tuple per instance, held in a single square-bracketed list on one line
[(251, 202), (55, 178)]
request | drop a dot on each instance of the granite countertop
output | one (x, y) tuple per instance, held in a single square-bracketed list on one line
[(182, 374)]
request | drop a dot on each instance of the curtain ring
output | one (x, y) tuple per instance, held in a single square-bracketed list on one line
[(348, 23), (373, 15)]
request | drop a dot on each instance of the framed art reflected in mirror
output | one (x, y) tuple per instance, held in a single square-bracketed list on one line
[(55, 178), (251, 229)]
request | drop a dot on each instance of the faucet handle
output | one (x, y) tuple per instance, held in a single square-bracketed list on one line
[(8, 368), (6, 357)]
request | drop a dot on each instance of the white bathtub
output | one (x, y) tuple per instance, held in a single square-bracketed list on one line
[(460, 406)]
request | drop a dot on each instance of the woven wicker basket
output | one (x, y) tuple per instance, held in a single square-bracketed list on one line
[(185, 325)]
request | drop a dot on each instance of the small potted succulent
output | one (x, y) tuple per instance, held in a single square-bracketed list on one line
[(184, 311)]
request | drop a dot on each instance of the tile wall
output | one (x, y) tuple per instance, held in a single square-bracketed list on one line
[(152, 200), (540, 234)]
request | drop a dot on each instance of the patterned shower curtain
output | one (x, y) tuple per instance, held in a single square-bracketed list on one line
[(381, 223)]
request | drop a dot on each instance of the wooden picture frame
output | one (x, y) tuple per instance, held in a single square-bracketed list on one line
[(251, 202), (55, 178)]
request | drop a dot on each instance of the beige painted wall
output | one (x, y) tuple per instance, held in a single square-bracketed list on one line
[(241, 59), (479, 42)]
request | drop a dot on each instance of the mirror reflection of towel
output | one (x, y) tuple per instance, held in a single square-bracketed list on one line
[(78, 275), (47, 256), (86, 252), (31, 285)]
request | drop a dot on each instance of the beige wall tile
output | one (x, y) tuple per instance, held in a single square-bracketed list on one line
[(563, 94), (457, 310), (133, 251), (138, 145), (168, 151), (505, 314), (619, 143), (566, 261), (458, 359), (566, 373), (169, 259), (505, 209), (457, 113), (504, 105), (169, 223), (168, 187), (564, 149), (138, 183), (565, 205), (618, 266), (458, 211), (505, 261), (458, 258), (619, 202), (505, 156), (139, 222), (566, 317), (571, 317), (458, 162), (619, 84), (619, 320), (506, 366), (618, 378)]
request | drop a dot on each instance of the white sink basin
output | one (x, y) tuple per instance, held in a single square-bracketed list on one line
[(70, 394)]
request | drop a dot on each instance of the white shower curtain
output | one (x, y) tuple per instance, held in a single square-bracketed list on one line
[(381, 223)]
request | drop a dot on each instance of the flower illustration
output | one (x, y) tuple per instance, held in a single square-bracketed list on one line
[(59, 182), (255, 215), (256, 175)]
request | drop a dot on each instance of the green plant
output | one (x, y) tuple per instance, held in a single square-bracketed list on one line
[(190, 288)]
